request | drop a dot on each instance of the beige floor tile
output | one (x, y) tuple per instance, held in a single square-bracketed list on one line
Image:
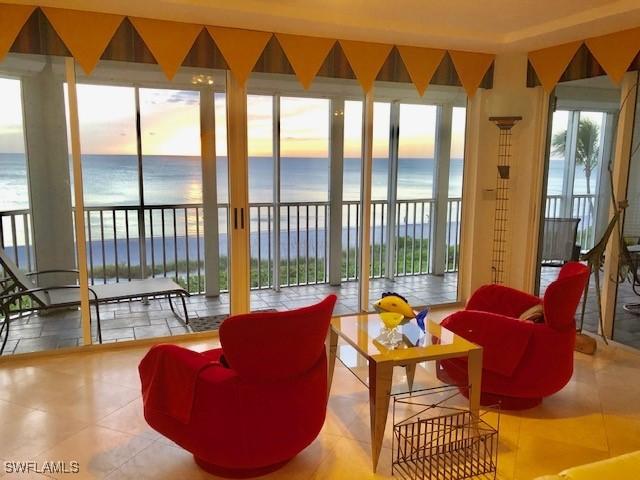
[(24, 476), (98, 450), (25, 433), (87, 407), (540, 456), (160, 462), (111, 367), (351, 460), (307, 462), (129, 419), (32, 386), (623, 434), (585, 431), (90, 402)]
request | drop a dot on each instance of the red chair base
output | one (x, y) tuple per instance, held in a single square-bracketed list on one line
[(509, 403), (487, 399), (237, 472)]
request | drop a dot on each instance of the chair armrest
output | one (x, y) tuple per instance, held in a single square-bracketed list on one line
[(169, 376), (504, 339), (16, 295), (501, 300), (55, 270)]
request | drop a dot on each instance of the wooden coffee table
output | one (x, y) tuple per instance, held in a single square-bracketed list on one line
[(362, 332)]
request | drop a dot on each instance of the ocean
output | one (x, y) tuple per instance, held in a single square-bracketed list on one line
[(111, 180)]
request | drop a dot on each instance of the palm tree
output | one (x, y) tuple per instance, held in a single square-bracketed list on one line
[(587, 149)]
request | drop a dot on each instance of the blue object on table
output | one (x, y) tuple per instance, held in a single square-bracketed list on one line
[(420, 317)]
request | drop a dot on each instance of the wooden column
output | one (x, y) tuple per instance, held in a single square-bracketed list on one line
[(239, 245), (81, 242), (622, 152)]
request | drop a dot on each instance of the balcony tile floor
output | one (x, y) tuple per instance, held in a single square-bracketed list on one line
[(86, 406), (136, 320)]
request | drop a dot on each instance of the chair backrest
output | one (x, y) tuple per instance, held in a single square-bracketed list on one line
[(562, 296), (276, 345), (559, 238), (22, 281)]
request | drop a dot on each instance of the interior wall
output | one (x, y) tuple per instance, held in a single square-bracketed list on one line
[(509, 97)]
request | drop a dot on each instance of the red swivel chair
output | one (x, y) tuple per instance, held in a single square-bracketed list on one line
[(247, 408), (522, 361)]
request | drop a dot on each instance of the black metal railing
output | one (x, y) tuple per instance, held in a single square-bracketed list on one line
[(16, 238), (128, 242), (583, 207)]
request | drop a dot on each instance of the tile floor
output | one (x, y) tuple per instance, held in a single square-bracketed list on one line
[(135, 320), (86, 407)]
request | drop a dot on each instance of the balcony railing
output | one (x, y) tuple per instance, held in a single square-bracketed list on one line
[(582, 207), (170, 241), (16, 237)]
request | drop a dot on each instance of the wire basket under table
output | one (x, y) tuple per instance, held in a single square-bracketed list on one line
[(452, 445)]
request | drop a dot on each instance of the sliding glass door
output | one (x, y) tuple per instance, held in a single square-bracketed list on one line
[(577, 199), (417, 189), (37, 229), (289, 197)]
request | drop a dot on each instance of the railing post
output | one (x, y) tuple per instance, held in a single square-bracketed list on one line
[(438, 247), (209, 191), (392, 189), (336, 154)]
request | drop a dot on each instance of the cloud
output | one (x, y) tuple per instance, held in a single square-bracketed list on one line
[(185, 97)]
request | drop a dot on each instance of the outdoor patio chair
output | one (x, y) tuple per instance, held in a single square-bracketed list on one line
[(559, 241), (17, 286)]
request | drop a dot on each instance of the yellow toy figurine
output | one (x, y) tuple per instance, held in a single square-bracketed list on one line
[(393, 302)]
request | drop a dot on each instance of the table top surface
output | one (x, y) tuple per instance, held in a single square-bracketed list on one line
[(363, 332)]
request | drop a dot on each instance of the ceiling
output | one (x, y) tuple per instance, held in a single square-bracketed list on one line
[(480, 25)]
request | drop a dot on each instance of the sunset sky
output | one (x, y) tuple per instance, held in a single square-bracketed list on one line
[(170, 124)]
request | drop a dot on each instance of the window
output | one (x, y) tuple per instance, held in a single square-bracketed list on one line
[(415, 153), (456, 167), (170, 135), (13, 182), (107, 116), (260, 147), (304, 149)]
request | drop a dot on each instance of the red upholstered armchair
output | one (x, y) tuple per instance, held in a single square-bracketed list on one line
[(522, 361), (248, 412)]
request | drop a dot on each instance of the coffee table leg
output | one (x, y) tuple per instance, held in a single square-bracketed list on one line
[(474, 369), (380, 379), (331, 345), (410, 371)]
